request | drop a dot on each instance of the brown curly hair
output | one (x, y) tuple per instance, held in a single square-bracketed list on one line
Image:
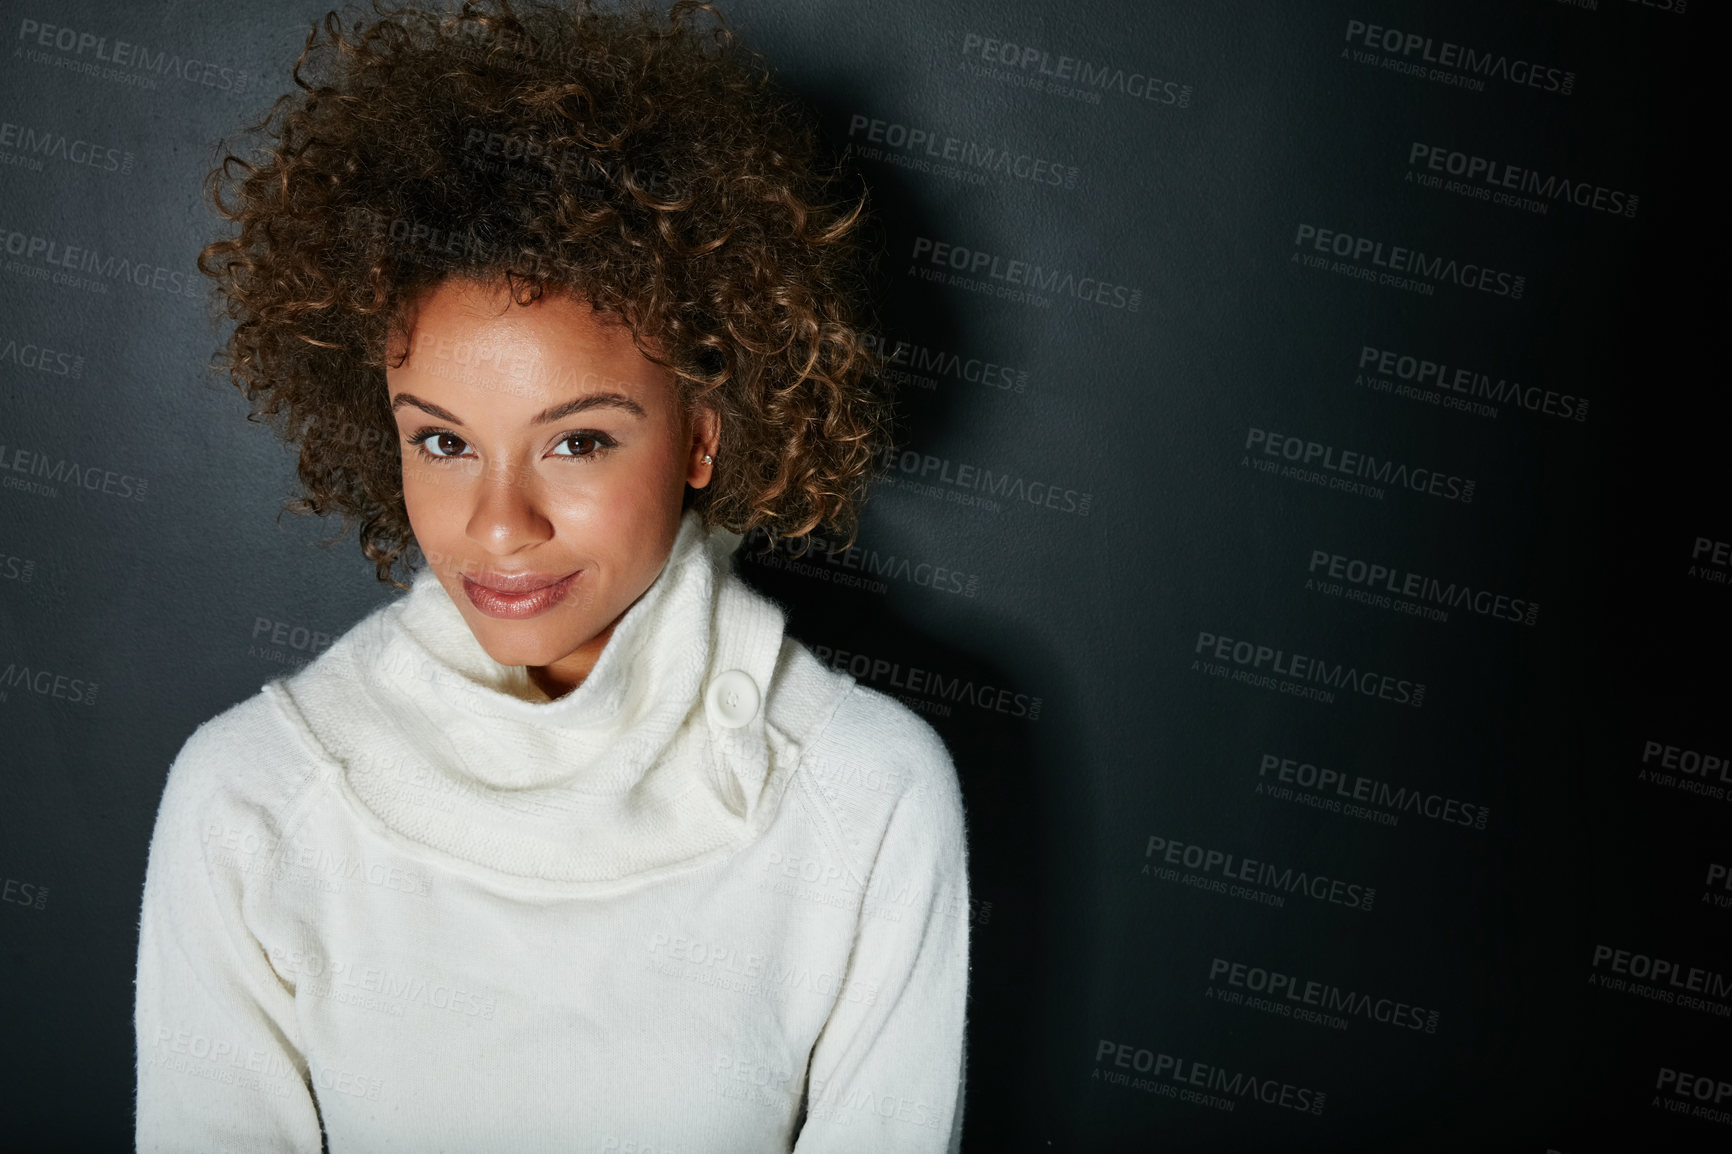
[(643, 162)]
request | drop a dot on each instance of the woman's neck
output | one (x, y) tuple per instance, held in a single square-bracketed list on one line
[(562, 676)]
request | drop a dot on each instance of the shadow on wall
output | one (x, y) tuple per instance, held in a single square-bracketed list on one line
[(997, 740)]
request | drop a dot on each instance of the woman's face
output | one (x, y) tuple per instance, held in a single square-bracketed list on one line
[(544, 464)]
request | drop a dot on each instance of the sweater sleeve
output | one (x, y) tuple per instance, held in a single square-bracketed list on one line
[(219, 1067), (887, 1072)]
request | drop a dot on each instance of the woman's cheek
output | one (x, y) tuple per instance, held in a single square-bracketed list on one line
[(433, 504)]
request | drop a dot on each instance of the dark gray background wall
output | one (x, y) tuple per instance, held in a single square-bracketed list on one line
[(1246, 346)]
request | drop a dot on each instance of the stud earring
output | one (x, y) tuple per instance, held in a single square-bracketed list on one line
[(708, 459)]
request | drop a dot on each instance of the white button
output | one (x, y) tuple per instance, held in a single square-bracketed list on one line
[(732, 699)]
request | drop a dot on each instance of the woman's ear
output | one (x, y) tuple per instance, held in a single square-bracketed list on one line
[(706, 426)]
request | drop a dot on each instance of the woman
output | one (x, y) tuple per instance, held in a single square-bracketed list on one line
[(571, 847)]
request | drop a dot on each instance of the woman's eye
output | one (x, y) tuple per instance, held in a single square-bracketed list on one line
[(445, 445), (583, 445)]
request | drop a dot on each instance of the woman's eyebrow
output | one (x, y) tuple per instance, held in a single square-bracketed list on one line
[(595, 400), (402, 399), (546, 417)]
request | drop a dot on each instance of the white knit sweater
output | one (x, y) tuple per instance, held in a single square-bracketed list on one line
[(403, 899)]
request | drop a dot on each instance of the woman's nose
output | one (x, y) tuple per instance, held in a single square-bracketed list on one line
[(507, 514)]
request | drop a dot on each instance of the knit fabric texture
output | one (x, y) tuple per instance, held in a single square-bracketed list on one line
[(401, 900)]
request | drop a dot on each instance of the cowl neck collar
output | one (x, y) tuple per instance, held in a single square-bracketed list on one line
[(597, 737), (627, 776)]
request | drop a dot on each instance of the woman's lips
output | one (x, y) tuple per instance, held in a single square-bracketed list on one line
[(514, 606)]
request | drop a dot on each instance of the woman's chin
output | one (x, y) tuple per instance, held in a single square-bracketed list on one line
[(524, 646)]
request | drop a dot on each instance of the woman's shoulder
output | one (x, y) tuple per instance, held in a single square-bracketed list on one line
[(874, 759), (873, 728), (245, 763)]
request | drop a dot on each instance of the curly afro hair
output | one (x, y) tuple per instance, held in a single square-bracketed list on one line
[(642, 161)]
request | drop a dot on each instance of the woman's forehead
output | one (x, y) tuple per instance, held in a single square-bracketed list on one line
[(481, 324), (473, 345)]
